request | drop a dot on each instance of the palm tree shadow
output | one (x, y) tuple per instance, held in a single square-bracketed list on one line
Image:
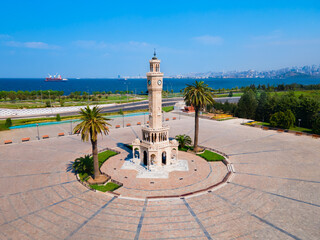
[(70, 167)]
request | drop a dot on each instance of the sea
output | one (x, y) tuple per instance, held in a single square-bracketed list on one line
[(137, 85)]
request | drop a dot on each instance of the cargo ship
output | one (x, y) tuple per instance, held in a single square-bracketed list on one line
[(55, 78)]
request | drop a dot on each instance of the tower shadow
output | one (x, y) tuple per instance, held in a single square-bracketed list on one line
[(127, 149)]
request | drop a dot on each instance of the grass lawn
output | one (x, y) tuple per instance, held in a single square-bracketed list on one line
[(298, 129), (211, 156), (104, 156), (110, 186)]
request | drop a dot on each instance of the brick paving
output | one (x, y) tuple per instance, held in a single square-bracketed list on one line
[(274, 193)]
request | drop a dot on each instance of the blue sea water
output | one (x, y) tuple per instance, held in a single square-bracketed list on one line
[(136, 85)]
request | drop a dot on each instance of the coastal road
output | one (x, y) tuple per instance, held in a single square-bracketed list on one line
[(115, 108)]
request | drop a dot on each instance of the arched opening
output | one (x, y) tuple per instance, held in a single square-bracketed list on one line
[(145, 158), (164, 158), (153, 159), (174, 153), (136, 153)]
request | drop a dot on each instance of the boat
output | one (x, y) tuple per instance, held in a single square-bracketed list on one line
[(55, 78)]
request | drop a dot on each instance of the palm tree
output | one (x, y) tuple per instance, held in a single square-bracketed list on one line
[(183, 140), (92, 123), (197, 95)]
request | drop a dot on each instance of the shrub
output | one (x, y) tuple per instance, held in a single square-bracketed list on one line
[(8, 123), (58, 118), (83, 165), (183, 140), (48, 103), (230, 94)]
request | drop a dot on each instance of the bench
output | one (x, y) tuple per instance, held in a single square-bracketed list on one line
[(7, 141), (298, 133), (45, 136), (265, 128), (25, 139), (167, 119), (60, 134), (138, 123), (280, 130), (128, 124), (117, 126), (315, 136), (174, 118)]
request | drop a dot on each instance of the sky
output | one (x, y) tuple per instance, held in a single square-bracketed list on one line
[(109, 38)]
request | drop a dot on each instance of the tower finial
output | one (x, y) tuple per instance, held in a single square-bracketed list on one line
[(154, 54)]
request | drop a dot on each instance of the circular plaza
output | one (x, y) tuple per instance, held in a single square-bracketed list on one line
[(273, 193)]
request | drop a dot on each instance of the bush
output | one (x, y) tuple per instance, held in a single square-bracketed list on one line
[(230, 94), (8, 123), (283, 119), (316, 124), (48, 103), (58, 118)]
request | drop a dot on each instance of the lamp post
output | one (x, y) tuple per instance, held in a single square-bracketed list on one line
[(299, 121), (71, 127), (38, 131), (123, 120), (144, 118)]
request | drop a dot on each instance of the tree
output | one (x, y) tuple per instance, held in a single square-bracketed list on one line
[(283, 119), (247, 105), (183, 140), (58, 118), (262, 111), (8, 123), (230, 94), (92, 124), (198, 95)]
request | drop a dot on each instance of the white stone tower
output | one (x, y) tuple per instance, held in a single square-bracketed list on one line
[(155, 148)]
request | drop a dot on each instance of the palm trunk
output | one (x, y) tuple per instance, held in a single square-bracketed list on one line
[(96, 170), (196, 129)]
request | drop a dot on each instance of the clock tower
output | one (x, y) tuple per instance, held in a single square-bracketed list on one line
[(155, 83), (155, 149)]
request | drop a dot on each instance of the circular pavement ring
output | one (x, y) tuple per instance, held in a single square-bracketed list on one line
[(202, 177)]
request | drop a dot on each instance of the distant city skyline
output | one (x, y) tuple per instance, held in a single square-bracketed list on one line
[(107, 39)]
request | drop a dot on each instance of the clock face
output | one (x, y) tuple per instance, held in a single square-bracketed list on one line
[(159, 82), (149, 82)]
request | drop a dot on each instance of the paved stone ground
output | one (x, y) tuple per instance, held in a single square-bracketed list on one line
[(274, 194)]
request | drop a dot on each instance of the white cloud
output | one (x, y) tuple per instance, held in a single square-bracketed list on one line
[(34, 45), (209, 40)]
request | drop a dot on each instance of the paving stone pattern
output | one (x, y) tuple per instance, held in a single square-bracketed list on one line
[(273, 195)]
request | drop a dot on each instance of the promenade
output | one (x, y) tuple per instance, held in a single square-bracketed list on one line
[(274, 193)]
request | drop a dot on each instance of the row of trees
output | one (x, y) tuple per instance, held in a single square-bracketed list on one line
[(30, 95), (285, 110)]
